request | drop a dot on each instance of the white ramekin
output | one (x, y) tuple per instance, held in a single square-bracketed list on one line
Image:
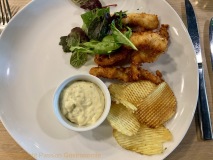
[(85, 77)]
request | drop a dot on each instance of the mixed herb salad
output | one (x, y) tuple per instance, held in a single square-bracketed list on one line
[(101, 33)]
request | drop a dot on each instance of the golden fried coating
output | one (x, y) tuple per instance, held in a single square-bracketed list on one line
[(111, 73), (150, 53), (146, 56), (164, 31), (149, 41), (142, 20), (128, 74), (157, 79), (118, 57), (150, 44)]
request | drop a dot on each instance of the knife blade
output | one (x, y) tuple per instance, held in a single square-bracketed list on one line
[(202, 105), (211, 39)]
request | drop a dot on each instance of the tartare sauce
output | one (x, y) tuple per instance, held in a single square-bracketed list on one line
[(82, 102)]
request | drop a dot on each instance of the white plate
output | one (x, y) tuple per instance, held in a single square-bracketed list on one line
[(33, 64)]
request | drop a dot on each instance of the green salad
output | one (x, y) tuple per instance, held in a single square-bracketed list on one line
[(101, 33)]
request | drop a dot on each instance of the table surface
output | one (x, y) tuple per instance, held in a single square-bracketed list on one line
[(192, 146)]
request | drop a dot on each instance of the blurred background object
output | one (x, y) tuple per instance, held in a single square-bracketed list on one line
[(204, 4)]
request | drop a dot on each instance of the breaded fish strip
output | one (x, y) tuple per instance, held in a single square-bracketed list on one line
[(147, 54), (143, 20), (112, 73), (113, 59), (128, 74), (149, 41)]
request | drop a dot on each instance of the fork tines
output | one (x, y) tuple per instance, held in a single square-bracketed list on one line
[(5, 14)]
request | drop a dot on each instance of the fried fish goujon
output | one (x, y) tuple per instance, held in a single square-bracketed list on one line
[(142, 20), (149, 40), (116, 58), (126, 74), (151, 45)]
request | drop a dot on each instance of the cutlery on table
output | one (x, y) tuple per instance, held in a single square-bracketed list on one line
[(5, 14), (202, 105), (211, 39)]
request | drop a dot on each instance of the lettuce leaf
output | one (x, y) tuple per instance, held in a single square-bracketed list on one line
[(89, 16), (78, 59), (106, 46), (122, 38)]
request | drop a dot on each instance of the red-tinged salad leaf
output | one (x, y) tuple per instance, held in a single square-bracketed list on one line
[(63, 43), (88, 4), (74, 38)]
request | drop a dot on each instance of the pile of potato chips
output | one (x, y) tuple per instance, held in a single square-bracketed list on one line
[(138, 113)]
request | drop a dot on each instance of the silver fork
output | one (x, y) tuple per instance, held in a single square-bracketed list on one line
[(5, 14)]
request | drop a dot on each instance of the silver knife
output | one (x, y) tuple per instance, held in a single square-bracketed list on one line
[(211, 39), (202, 105)]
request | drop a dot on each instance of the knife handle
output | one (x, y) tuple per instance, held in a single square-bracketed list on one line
[(203, 109)]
